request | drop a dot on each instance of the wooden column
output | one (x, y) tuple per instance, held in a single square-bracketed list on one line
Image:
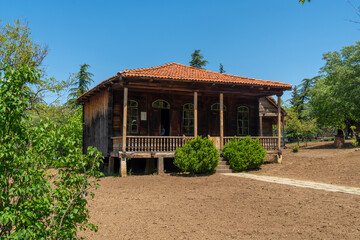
[(221, 120), (195, 114), (123, 170), (283, 128), (279, 129), (160, 165), (124, 119), (261, 126)]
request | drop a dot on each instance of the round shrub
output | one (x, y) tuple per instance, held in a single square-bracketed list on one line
[(295, 149), (197, 156), (244, 154)]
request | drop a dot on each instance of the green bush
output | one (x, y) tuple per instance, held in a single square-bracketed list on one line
[(244, 154), (295, 149), (197, 156)]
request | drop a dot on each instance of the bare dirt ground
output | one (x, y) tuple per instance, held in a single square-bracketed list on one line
[(319, 162), (219, 207)]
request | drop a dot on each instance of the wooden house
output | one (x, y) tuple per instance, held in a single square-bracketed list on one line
[(149, 112)]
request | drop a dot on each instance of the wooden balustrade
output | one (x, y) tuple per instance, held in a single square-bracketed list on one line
[(170, 143), (268, 143), (150, 143)]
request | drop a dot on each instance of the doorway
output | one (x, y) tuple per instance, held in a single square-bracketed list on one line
[(165, 122)]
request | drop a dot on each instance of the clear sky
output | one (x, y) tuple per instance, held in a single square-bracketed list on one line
[(279, 40)]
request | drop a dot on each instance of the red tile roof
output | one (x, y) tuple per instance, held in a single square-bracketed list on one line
[(180, 72)]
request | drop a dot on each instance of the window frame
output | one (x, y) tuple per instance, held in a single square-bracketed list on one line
[(241, 130), (130, 117), (190, 116), (153, 104)]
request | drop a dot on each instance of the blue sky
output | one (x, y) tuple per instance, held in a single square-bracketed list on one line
[(277, 40)]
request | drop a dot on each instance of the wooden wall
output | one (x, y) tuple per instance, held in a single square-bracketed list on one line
[(97, 116), (208, 121)]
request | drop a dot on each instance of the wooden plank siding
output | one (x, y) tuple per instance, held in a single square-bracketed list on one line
[(97, 115), (208, 121)]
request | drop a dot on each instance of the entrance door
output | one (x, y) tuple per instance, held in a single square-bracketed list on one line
[(165, 122)]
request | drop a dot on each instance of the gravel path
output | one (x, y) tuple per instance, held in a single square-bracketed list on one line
[(299, 183)]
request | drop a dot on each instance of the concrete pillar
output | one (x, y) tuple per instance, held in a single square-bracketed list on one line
[(160, 165), (111, 165), (123, 170)]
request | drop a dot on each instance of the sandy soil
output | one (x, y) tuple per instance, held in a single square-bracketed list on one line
[(320, 162), (219, 207)]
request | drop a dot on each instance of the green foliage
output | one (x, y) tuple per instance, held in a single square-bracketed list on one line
[(197, 60), (197, 156), (221, 69), (300, 128), (244, 153), (303, 1), (335, 97), (82, 81), (295, 149), (44, 177), (17, 48)]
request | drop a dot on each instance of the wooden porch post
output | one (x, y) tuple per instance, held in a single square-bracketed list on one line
[(283, 128), (221, 120), (261, 126), (195, 114), (124, 119), (123, 171), (279, 129)]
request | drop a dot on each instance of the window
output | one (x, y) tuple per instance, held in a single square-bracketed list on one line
[(162, 104), (216, 107), (242, 120), (132, 117), (188, 118)]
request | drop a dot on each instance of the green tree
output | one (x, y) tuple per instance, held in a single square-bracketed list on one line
[(303, 1), (335, 97), (44, 177), (82, 81), (197, 60), (17, 48), (221, 69)]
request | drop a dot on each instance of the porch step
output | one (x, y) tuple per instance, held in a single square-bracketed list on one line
[(223, 167), (223, 171)]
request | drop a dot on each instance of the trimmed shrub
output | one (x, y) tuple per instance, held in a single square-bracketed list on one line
[(244, 153), (197, 156), (295, 149)]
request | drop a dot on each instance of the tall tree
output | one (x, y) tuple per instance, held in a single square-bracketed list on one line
[(303, 1), (17, 48), (221, 69), (83, 79), (335, 97), (197, 60)]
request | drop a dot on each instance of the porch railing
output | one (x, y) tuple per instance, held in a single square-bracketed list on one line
[(170, 143), (150, 143), (268, 143)]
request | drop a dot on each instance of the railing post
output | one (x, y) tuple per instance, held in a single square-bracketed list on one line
[(195, 114)]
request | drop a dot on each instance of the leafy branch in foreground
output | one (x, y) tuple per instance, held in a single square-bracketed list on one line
[(44, 177)]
